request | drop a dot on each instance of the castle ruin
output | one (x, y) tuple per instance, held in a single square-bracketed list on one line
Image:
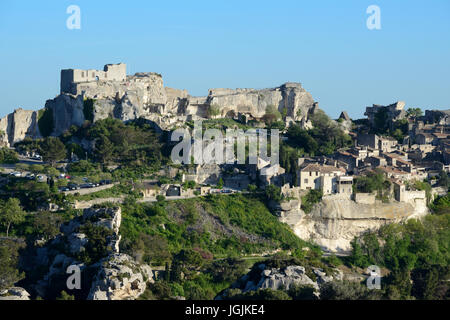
[(111, 72)]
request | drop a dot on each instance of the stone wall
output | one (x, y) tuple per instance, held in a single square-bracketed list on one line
[(364, 198), (111, 72)]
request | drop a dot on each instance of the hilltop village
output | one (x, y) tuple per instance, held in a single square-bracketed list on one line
[(88, 180)]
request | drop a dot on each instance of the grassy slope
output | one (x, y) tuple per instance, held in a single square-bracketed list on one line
[(222, 224)]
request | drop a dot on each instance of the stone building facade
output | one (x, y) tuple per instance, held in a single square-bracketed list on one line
[(111, 72)]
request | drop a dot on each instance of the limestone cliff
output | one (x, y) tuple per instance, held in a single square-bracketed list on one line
[(144, 95), (18, 125), (336, 220)]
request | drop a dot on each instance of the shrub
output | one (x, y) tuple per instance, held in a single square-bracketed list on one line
[(310, 199), (45, 121), (8, 156), (88, 109)]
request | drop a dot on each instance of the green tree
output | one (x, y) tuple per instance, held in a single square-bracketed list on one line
[(381, 121), (213, 111), (9, 258), (37, 168), (229, 269), (220, 184), (357, 257), (88, 109), (414, 112), (52, 150), (298, 292), (8, 156), (272, 115), (273, 193), (104, 149), (310, 199), (47, 224), (11, 213), (45, 121), (444, 180), (346, 290)]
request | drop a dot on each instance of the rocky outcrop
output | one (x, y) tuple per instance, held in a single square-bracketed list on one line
[(15, 293), (276, 279), (67, 110), (115, 276), (264, 277), (143, 95), (18, 125), (290, 96), (120, 278), (336, 220)]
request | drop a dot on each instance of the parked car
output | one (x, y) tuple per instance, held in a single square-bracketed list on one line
[(73, 186), (30, 176), (16, 174), (87, 185), (104, 182)]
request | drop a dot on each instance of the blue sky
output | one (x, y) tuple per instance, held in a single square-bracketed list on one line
[(197, 45)]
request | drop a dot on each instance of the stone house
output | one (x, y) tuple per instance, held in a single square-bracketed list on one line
[(386, 144), (424, 138), (344, 184), (316, 176), (403, 195)]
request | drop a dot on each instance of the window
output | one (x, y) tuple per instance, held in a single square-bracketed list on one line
[(93, 74), (306, 180), (82, 74)]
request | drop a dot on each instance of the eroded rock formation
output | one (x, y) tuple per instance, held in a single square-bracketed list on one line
[(115, 276), (144, 95), (264, 277), (336, 220)]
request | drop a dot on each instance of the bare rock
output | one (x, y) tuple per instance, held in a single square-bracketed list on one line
[(15, 293), (120, 278)]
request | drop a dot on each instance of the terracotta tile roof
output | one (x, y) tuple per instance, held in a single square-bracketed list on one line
[(321, 168)]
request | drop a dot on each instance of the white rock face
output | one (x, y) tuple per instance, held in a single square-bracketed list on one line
[(334, 222), (15, 293), (144, 95), (18, 125), (292, 275), (282, 279), (120, 278)]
